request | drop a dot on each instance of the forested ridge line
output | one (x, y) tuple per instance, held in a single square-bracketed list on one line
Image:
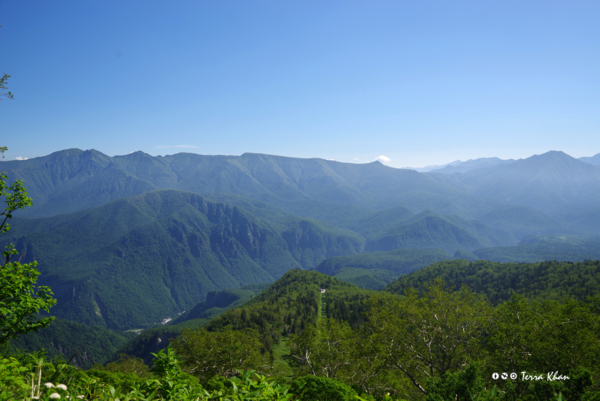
[(550, 280)]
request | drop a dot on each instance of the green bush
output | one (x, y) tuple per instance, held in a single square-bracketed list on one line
[(321, 389)]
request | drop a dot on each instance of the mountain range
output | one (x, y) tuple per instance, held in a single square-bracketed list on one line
[(459, 166), (128, 241)]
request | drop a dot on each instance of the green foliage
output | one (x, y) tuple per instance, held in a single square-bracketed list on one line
[(153, 340), (290, 304), (206, 354), (438, 345), (328, 350), (149, 341), (543, 336), (464, 385), (128, 364), (13, 381), (34, 378), (218, 302), (435, 333), (19, 301), (90, 344), (3, 86), (245, 387), (321, 388), (498, 281)]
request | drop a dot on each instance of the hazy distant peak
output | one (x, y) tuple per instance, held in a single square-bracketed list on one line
[(137, 153), (594, 160), (552, 156), (471, 164), (427, 169)]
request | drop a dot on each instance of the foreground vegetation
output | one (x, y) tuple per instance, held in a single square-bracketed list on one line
[(438, 344)]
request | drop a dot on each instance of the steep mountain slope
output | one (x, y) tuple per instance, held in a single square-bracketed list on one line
[(87, 345), (73, 179), (430, 230), (545, 182), (137, 260)]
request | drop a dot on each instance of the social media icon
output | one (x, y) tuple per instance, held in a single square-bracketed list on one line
[(504, 375), (513, 375), (495, 376)]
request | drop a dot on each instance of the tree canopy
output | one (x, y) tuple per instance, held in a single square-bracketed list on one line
[(19, 301)]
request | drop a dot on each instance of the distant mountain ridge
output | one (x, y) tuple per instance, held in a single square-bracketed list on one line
[(463, 167), (552, 182), (458, 166), (595, 160), (72, 180)]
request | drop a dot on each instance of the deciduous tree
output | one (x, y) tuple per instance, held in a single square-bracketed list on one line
[(19, 300), (206, 354), (425, 337)]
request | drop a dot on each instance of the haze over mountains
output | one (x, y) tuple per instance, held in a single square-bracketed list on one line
[(126, 241), (459, 166)]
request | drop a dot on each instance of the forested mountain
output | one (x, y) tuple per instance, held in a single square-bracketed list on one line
[(86, 345), (72, 180), (498, 281), (285, 307), (430, 230), (341, 194), (135, 261), (217, 302), (287, 319)]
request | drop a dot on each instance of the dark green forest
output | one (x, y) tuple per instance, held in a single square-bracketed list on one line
[(476, 318), (550, 280)]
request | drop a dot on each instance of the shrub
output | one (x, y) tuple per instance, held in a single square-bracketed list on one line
[(321, 389)]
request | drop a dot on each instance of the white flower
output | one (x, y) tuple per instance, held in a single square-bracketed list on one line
[(61, 386), (48, 385), (54, 395), (81, 397)]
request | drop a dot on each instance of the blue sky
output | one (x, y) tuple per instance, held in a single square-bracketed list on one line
[(420, 82)]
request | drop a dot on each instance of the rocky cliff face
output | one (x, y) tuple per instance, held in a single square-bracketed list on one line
[(309, 244), (132, 262)]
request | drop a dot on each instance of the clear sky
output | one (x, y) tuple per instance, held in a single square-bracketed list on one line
[(419, 82)]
